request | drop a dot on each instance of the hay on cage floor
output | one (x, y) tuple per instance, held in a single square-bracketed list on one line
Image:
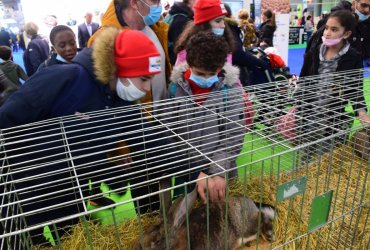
[(349, 222)]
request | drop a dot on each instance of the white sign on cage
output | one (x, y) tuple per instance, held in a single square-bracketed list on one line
[(96, 175)]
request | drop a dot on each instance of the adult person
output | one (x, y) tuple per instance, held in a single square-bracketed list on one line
[(37, 49), (362, 44), (308, 27), (22, 44), (86, 30), (268, 28), (4, 37), (143, 15), (322, 21), (360, 38), (252, 69), (179, 15), (248, 29), (114, 73)]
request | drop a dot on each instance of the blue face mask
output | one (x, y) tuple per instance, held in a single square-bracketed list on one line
[(154, 14), (361, 16), (218, 31), (204, 82)]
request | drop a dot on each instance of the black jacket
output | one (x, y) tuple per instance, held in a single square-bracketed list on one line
[(360, 39), (83, 33), (267, 33), (4, 38), (37, 51), (349, 61), (252, 69), (182, 14)]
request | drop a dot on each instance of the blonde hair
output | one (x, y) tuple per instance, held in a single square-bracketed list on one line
[(243, 14), (31, 28)]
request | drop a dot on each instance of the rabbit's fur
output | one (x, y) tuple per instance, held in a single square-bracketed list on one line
[(176, 226), (361, 141)]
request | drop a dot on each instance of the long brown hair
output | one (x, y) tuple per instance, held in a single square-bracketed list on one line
[(270, 16), (192, 29)]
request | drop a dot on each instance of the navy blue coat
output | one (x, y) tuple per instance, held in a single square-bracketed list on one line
[(74, 149), (37, 52)]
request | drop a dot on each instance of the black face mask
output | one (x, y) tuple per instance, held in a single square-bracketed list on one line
[(118, 11)]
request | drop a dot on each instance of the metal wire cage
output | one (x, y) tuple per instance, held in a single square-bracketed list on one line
[(289, 151)]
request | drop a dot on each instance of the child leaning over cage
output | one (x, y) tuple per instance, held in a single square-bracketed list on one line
[(97, 92), (323, 101), (213, 117)]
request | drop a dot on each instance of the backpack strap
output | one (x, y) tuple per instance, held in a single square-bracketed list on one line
[(169, 19), (225, 94), (172, 89)]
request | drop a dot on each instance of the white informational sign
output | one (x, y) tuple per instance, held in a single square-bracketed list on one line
[(257, 12), (281, 36)]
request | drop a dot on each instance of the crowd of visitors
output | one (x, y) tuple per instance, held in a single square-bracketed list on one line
[(137, 56)]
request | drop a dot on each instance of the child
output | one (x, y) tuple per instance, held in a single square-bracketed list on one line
[(12, 70), (333, 55), (204, 74), (64, 45), (209, 16)]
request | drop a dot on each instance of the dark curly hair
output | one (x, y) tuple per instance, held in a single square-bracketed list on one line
[(206, 51), (57, 29), (192, 29)]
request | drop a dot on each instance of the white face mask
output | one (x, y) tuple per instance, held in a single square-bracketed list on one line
[(130, 92)]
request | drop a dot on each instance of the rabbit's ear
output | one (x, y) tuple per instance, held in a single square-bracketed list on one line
[(165, 197), (187, 203)]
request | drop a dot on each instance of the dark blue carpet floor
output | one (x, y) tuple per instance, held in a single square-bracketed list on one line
[(295, 60)]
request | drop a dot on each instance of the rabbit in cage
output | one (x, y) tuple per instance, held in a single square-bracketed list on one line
[(240, 230), (361, 144)]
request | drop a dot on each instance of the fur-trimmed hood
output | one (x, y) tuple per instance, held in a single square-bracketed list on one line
[(160, 29), (231, 73), (103, 54), (231, 21), (99, 59)]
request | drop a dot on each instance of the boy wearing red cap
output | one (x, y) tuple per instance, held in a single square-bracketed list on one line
[(143, 15), (201, 78), (113, 74)]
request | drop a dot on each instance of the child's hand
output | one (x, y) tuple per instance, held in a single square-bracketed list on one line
[(364, 118), (216, 188)]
